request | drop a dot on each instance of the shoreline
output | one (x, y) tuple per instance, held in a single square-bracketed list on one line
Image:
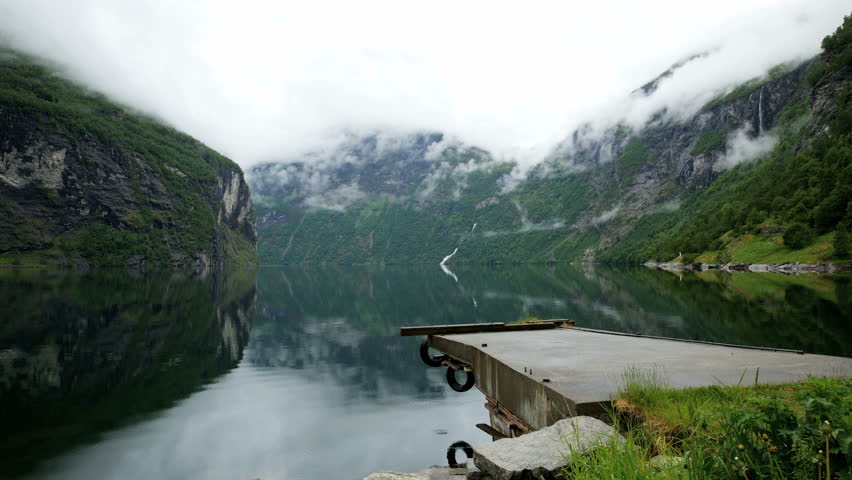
[(794, 268)]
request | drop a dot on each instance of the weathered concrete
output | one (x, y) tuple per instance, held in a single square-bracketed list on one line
[(430, 474), (543, 453), (545, 376)]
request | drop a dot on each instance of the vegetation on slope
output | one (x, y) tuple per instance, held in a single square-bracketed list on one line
[(189, 171), (808, 190), (798, 430), (651, 202)]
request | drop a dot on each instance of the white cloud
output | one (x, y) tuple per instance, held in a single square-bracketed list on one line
[(605, 216), (337, 198), (262, 80), (741, 147)]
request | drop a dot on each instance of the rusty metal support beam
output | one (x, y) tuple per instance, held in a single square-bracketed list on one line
[(484, 327)]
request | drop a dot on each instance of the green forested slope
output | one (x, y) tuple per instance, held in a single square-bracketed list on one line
[(661, 193), (803, 185), (83, 179)]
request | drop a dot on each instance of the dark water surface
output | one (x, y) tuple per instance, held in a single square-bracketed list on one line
[(299, 373)]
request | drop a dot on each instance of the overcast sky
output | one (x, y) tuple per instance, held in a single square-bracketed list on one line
[(266, 80)]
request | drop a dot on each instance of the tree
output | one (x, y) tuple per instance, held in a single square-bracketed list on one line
[(797, 236), (842, 243)]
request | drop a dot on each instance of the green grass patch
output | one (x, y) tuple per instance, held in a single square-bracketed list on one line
[(749, 430), (756, 248), (634, 156), (707, 141)]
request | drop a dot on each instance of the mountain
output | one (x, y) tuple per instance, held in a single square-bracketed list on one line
[(84, 181), (761, 173)]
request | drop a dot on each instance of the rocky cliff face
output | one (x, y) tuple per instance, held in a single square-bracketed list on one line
[(684, 181), (637, 172), (438, 195), (82, 181)]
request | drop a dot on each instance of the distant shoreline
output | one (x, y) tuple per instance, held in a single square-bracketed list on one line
[(787, 268)]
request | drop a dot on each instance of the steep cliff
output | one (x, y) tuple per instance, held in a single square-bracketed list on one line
[(84, 181), (771, 152)]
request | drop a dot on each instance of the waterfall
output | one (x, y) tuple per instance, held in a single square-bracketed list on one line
[(449, 256), (760, 112)]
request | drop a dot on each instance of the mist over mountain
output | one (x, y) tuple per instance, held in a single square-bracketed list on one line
[(619, 191), (272, 80)]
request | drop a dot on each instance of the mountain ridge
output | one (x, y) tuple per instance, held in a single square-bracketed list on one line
[(85, 182), (624, 195)]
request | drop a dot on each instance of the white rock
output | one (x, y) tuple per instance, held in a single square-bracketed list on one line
[(542, 453), (397, 476)]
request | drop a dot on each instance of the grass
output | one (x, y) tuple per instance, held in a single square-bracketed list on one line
[(635, 155), (710, 140), (525, 320), (755, 248), (750, 86), (748, 430)]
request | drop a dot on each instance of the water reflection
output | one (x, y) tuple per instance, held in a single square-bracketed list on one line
[(83, 354), (138, 373)]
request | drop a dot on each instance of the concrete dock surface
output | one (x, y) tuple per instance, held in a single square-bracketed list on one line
[(542, 376)]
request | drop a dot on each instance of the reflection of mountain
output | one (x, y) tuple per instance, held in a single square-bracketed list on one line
[(83, 354), (341, 323)]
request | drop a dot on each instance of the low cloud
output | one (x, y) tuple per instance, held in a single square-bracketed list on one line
[(742, 147), (668, 207), (605, 217), (337, 199), (527, 225), (288, 77)]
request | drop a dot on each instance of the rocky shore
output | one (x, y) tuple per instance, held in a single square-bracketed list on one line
[(542, 454), (788, 268)]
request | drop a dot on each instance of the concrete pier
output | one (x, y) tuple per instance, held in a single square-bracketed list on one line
[(542, 376)]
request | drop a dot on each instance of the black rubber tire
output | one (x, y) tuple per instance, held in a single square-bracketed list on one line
[(451, 453), (468, 384), (435, 361)]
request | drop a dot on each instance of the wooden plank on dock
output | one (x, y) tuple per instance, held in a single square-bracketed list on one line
[(482, 327)]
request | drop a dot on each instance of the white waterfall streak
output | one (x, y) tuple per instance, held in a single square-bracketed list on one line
[(760, 112), (448, 257)]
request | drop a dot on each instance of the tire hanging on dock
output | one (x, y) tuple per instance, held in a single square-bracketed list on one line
[(455, 385), (435, 361), (451, 453)]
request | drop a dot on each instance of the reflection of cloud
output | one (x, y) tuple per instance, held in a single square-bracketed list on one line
[(526, 300)]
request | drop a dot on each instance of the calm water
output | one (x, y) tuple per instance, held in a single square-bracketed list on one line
[(299, 373)]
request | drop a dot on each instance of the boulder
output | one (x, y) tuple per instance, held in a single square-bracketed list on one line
[(543, 453), (474, 473)]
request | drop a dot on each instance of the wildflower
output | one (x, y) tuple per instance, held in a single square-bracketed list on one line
[(741, 447), (773, 449), (820, 452), (827, 422), (738, 458), (765, 436)]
